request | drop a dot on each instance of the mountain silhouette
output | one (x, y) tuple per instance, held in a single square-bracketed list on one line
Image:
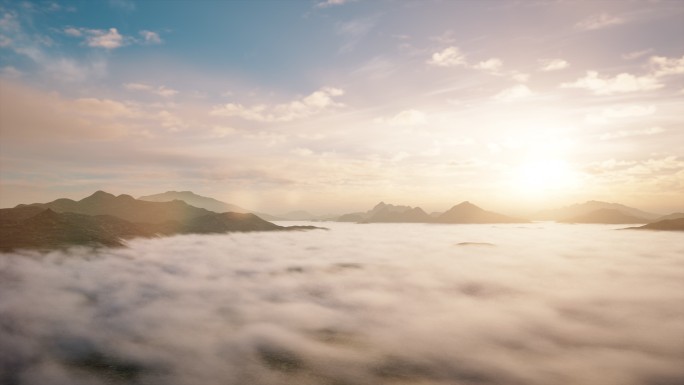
[(387, 213), (665, 225), (669, 216), (203, 202), (605, 216), (193, 199), (105, 219), (467, 212), (128, 208), (566, 213)]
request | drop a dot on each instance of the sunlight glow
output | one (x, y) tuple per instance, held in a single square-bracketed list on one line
[(543, 176)]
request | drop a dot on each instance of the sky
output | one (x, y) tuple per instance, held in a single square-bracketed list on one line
[(332, 106)]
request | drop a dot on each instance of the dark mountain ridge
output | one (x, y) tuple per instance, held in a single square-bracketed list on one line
[(107, 220)]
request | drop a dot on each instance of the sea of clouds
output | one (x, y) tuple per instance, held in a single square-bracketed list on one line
[(535, 304)]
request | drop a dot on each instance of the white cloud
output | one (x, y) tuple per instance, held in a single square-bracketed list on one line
[(331, 307), (405, 118), (312, 104), (110, 39), (492, 65), (553, 64), (624, 134), (150, 37), (518, 91), (621, 83), (160, 90), (608, 114), (71, 31), (599, 21), (448, 57), (665, 66)]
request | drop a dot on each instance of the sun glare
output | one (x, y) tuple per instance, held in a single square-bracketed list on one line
[(542, 176)]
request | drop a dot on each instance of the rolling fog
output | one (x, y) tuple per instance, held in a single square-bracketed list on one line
[(536, 304)]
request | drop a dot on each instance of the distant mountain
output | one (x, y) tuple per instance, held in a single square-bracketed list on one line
[(203, 202), (105, 219), (669, 216), (665, 225), (387, 213), (576, 210), (605, 216), (193, 199), (467, 212)]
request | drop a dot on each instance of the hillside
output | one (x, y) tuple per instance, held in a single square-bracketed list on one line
[(107, 220), (664, 225)]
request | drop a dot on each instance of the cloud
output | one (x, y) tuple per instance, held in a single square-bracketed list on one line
[(448, 57), (609, 114), (553, 64), (628, 133), (636, 54), (110, 39), (326, 307), (664, 66), (517, 92), (160, 90), (74, 32), (10, 72), (599, 21), (310, 105), (492, 65), (354, 31), (621, 83), (150, 37), (332, 3), (29, 114), (405, 118)]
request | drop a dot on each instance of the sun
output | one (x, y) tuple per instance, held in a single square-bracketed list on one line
[(544, 176)]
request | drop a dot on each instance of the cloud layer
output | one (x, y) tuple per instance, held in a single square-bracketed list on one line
[(359, 304)]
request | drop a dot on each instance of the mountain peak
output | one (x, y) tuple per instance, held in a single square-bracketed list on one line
[(99, 194)]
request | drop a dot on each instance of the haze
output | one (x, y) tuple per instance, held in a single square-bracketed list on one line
[(333, 106)]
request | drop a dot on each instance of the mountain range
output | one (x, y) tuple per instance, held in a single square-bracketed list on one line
[(218, 206), (105, 219), (568, 213), (464, 212)]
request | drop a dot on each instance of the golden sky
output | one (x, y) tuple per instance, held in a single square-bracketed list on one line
[(334, 106)]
